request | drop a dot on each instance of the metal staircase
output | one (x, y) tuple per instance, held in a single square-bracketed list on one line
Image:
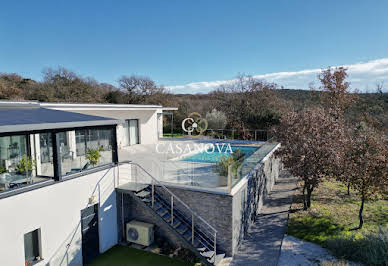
[(177, 216)]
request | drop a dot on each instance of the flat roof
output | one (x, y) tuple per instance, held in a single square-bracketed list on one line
[(37, 118), (91, 106), (98, 106)]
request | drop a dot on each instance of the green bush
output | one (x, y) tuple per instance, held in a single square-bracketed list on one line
[(94, 155), (370, 249), (25, 165), (2, 169), (235, 159)]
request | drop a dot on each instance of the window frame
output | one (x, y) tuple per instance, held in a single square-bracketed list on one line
[(85, 141), (137, 129), (58, 177)]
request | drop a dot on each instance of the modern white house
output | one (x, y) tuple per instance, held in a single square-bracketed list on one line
[(141, 124), (73, 177)]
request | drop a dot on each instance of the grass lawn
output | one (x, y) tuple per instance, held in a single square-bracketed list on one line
[(333, 214), (126, 256)]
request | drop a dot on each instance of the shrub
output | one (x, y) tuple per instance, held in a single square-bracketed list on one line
[(25, 165), (94, 155), (2, 169), (370, 249), (234, 159), (216, 119)]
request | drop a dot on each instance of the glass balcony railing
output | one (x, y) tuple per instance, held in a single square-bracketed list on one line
[(199, 170)]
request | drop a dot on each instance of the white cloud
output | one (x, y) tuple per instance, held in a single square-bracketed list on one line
[(363, 76)]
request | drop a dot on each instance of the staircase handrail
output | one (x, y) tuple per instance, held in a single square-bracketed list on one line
[(170, 192)]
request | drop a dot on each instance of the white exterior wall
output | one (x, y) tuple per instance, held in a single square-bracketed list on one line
[(148, 122), (56, 210)]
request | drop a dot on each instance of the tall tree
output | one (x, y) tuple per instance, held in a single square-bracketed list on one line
[(310, 147), (336, 96), (249, 103), (139, 88), (366, 162), (67, 86)]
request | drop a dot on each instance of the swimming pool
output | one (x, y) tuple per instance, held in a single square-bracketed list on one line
[(213, 157)]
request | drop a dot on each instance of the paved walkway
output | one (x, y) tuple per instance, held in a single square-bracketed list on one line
[(263, 243)]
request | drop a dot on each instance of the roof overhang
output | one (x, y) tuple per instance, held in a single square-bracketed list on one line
[(169, 109), (39, 119), (100, 107)]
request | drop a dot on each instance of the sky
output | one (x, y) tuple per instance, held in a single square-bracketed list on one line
[(193, 46)]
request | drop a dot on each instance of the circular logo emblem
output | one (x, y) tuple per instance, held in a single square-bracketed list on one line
[(194, 124)]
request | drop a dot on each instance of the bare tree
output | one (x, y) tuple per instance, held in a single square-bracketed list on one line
[(138, 88), (67, 86), (249, 103), (379, 87)]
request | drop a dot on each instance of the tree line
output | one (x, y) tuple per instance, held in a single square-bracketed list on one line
[(247, 103), (329, 141)]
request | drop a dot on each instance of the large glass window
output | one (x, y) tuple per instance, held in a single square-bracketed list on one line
[(25, 159), (43, 150), (12, 150), (85, 149)]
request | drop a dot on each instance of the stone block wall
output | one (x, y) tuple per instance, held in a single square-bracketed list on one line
[(247, 202), (134, 210)]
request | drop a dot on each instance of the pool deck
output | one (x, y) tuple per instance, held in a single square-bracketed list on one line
[(168, 166)]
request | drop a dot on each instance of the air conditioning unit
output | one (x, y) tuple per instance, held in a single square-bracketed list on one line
[(140, 233)]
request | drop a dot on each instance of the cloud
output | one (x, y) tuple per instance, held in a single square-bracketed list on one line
[(363, 76)]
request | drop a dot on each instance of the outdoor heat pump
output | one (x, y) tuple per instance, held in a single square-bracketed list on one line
[(140, 233)]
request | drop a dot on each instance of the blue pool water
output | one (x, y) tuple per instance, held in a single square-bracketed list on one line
[(213, 157)]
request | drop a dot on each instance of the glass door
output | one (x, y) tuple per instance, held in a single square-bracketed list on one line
[(125, 138), (133, 131)]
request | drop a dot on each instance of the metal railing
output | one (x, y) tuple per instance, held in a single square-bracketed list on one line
[(197, 222), (237, 134)]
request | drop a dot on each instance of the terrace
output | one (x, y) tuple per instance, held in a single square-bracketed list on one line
[(202, 190), (195, 163)]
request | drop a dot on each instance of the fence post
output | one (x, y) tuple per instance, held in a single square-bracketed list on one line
[(153, 193), (172, 210), (229, 178), (192, 229), (215, 247)]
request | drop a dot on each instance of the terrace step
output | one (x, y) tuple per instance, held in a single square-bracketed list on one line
[(176, 223), (201, 248), (167, 217), (162, 211), (208, 254), (187, 235), (157, 205), (143, 194), (182, 229), (147, 200)]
